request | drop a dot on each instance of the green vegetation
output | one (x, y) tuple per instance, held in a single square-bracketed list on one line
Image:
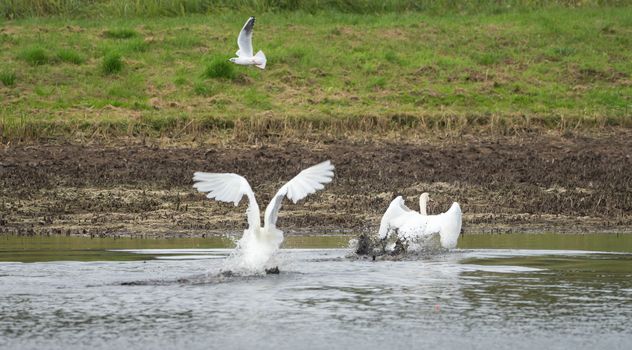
[(111, 63), (558, 67), (220, 68), (152, 8), (7, 78), (70, 56), (34, 56), (122, 33)]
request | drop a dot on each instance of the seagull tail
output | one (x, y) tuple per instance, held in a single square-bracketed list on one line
[(261, 60)]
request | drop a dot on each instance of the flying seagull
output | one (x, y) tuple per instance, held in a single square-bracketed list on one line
[(245, 53), (259, 243)]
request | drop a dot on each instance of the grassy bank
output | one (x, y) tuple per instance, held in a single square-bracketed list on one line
[(555, 68), (124, 8)]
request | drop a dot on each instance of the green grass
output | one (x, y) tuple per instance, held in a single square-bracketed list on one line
[(111, 63), (34, 56), (8, 78), (204, 89), (151, 8), (220, 68), (120, 33), (551, 68), (70, 56)]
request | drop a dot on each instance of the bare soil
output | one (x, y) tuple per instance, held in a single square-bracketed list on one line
[(531, 183)]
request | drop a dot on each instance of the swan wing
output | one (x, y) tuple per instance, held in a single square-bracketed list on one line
[(305, 183), (412, 226), (244, 41), (451, 226), (395, 209), (447, 225), (230, 188)]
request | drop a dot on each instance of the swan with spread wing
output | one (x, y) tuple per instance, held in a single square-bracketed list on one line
[(259, 243), (412, 226)]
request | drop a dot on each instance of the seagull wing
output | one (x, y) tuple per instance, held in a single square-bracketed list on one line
[(305, 183), (226, 187), (395, 209), (244, 41)]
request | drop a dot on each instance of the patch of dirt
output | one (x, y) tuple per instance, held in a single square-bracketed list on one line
[(393, 33), (532, 183), (589, 75)]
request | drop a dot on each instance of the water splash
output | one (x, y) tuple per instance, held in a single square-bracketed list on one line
[(253, 255), (368, 245)]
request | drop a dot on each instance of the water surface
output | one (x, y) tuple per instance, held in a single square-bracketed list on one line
[(489, 294)]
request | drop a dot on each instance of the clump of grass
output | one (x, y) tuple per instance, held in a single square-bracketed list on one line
[(202, 89), (220, 68), (70, 56), (120, 33), (8, 78), (112, 63), (392, 57), (377, 83), (43, 91), (179, 81), (488, 58), (137, 45), (6, 38), (34, 56), (563, 51)]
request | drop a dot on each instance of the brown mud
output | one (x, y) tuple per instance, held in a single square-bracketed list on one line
[(531, 183)]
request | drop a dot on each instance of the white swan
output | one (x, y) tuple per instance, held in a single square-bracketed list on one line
[(258, 244), (245, 55), (412, 226), (397, 208)]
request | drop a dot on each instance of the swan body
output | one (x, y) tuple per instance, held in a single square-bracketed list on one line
[(413, 226), (259, 243), (397, 208), (245, 56)]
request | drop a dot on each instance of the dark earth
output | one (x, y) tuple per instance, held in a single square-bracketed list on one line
[(535, 182)]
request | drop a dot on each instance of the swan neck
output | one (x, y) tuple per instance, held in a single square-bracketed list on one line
[(423, 204)]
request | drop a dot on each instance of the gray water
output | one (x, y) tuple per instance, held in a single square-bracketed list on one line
[(466, 299)]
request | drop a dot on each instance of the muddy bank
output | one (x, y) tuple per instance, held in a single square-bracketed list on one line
[(532, 183)]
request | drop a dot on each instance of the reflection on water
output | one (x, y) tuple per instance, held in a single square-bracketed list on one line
[(32, 249), (56, 248), (469, 298), (595, 242)]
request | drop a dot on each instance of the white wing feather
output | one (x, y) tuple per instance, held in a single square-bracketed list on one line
[(412, 226), (230, 188), (244, 41), (305, 183), (395, 209)]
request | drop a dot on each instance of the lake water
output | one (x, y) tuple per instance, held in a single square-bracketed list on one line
[(494, 292)]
